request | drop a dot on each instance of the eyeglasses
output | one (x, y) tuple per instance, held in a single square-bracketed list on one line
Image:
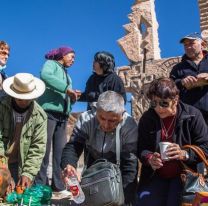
[(4, 53), (162, 103)]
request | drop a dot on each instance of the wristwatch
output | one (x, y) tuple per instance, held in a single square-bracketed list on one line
[(186, 155)]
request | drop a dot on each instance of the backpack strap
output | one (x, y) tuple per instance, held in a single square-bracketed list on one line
[(118, 144), (118, 141)]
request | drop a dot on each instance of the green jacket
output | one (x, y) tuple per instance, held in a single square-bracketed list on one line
[(54, 76), (32, 140)]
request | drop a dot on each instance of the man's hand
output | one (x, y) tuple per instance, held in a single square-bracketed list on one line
[(24, 181), (155, 161), (202, 76), (202, 79), (68, 171), (189, 82), (11, 187)]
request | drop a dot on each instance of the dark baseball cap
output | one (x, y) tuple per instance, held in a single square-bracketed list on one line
[(192, 36)]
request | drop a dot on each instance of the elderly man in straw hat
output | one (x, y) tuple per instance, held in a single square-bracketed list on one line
[(23, 127)]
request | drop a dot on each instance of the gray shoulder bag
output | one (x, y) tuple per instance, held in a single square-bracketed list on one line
[(102, 181)]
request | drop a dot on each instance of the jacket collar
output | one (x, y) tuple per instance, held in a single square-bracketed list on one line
[(185, 58), (7, 102), (103, 75), (182, 114)]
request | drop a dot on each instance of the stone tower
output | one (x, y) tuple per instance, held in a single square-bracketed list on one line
[(203, 8), (142, 33)]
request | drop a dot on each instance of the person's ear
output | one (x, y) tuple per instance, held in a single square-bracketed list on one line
[(176, 99)]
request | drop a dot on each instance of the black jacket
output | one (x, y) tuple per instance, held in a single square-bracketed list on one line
[(97, 84), (198, 96), (190, 129)]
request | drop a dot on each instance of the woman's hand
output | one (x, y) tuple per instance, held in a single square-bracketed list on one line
[(155, 161), (73, 94), (174, 152)]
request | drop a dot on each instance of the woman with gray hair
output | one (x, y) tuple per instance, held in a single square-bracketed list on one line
[(95, 133)]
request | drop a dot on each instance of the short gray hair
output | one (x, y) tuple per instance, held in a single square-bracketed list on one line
[(111, 101)]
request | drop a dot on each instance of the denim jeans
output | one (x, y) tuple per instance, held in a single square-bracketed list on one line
[(57, 138)]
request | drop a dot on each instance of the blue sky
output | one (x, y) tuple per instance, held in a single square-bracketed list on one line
[(34, 27)]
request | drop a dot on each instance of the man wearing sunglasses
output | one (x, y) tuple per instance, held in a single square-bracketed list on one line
[(4, 55), (191, 74)]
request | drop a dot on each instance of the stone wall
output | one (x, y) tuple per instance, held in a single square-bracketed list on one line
[(136, 81)]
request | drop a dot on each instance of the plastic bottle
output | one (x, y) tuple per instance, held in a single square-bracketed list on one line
[(74, 187)]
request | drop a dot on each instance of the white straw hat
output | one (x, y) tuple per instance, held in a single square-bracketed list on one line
[(24, 86)]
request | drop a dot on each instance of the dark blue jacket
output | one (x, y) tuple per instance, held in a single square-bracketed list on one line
[(198, 96), (3, 74), (190, 129)]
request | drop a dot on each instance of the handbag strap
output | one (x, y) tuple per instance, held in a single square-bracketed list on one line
[(198, 151), (118, 148)]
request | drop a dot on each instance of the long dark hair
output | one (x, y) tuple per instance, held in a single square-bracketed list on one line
[(106, 61)]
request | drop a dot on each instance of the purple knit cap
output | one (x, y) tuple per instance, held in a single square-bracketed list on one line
[(57, 54)]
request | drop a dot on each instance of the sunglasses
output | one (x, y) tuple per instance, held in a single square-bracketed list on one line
[(161, 103)]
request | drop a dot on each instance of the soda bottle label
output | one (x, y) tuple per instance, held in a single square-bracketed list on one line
[(74, 190)]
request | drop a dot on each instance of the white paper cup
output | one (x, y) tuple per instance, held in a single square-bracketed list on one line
[(163, 147)]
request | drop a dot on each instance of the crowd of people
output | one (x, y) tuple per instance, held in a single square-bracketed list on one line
[(34, 114)]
